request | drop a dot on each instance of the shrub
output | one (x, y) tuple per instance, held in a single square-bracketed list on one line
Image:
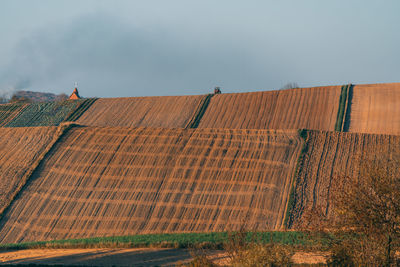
[(256, 254)]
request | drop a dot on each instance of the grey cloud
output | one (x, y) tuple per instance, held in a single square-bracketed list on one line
[(110, 58)]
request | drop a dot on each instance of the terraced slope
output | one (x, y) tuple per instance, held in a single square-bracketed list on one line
[(159, 111), (309, 108), (375, 109), (331, 154), (124, 181), (44, 114), (20, 149), (9, 111)]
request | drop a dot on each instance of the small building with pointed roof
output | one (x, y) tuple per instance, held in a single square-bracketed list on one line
[(74, 95)]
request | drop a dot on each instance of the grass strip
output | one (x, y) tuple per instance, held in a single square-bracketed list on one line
[(346, 118), (178, 240), (288, 221), (78, 112), (195, 121), (341, 109)]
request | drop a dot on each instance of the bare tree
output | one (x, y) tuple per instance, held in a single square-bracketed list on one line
[(366, 214), (289, 86)]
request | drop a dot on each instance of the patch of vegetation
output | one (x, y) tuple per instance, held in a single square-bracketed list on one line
[(289, 86), (78, 112), (8, 111), (346, 119), (214, 240), (364, 225), (44, 114), (303, 133), (342, 108), (242, 251), (194, 123)]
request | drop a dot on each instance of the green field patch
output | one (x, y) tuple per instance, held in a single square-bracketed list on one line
[(343, 106), (179, 240), (44, 114), (9, 111)]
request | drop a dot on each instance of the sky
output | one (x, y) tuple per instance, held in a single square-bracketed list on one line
[(118, 48)]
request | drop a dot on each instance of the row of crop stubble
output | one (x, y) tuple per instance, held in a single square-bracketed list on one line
[(121, 181), (328, 155), (311, 108), (158, 111), (21, 150), (371, 109), (124, 181), (313, 178), (375, 109), (365, 108)]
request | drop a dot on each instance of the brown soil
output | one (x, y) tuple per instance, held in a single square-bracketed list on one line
[(121, 181), (128, 257), (375, 109), (159, 111), (20, 149), (332, 154), (97, 257), (309, 108)]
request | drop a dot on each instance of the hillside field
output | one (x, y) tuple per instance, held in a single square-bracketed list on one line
[(20, 149), (125, 181), (330, 154), (375, 109), (308, 108), (158, 111)]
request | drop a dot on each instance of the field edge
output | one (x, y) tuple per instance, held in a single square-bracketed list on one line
[(303, 133)]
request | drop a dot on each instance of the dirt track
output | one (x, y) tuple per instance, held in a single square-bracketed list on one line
[(158, 111), (309, 108), (97, 257), (127, 257), (375, 109), (121, 181)]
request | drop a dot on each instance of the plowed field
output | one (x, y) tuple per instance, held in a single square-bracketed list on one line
[(159, 111), (309, 108), (124, 181), (332, 154), (20, 148), (375, 109), (44, 114), (9, 111)]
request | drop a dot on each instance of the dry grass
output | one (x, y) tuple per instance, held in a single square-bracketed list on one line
[(332, 154), (124, 181), (375, 109), (302, 108), (165, 111)]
